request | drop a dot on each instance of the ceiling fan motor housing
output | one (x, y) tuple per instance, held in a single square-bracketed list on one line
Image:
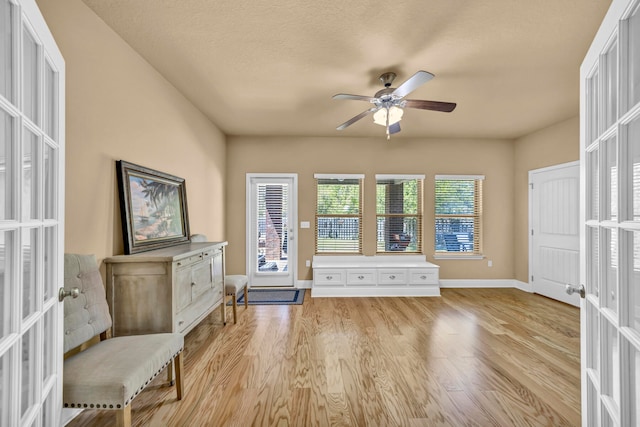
[(387, 78)]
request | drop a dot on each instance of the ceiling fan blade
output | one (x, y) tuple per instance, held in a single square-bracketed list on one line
[(354, 97), (356, 118), (445, 107), (394, 128), (412, 83)]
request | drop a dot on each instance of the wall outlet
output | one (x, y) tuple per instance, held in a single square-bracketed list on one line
[(307, 263), (305, 224), (490, 263)]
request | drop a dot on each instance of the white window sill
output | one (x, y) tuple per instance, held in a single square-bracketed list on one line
[(459, 256)]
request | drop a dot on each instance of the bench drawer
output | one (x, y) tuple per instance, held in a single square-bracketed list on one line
[(392, 277), (361, 277), (423, 277), (329, 277)]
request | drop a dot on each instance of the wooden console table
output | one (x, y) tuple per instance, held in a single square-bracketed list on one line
[(380, 275), (165, 290)]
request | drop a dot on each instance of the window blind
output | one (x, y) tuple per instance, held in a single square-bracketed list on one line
[(339, 214), (273, 205), (458, 214), (399, 213)]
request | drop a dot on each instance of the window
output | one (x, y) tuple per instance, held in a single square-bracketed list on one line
[(458, 216), (399, 213), (339, 213)]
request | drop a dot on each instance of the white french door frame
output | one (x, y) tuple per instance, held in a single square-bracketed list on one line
[(257, 278), (609, 315), (32, 106)]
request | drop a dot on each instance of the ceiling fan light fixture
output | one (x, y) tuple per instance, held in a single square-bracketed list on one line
[(395, 115)]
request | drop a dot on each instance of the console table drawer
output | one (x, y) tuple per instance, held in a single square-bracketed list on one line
[(423, 277), (392, 277), (361, 277), (194, 312), (329, 277)]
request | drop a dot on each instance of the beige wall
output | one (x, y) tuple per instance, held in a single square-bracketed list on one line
[(119, 107), (554, 145), (306, 156)]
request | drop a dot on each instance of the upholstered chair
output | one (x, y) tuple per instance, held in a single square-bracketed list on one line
[(233, 285), (110, 373)]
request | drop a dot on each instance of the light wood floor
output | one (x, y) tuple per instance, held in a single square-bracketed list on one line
[(474, 357)]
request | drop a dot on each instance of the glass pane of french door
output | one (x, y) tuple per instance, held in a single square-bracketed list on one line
[(31, 215)]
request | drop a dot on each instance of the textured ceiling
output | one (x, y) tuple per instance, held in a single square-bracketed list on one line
[(271, 67)]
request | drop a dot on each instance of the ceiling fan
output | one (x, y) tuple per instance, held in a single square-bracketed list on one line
[(389, 102)]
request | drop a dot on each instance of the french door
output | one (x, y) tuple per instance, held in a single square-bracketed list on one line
[(610, 218), (271, 229), (31, 217)]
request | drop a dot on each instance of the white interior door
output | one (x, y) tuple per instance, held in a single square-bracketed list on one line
[(31, 217), (610, 217), (555, 231), (271, 229)]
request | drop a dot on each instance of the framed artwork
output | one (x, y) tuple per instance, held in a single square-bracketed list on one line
[(153, 207)]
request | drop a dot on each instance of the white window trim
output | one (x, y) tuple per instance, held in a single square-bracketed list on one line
[(439, 255), (338, 176), (461, 177), (395, 176)]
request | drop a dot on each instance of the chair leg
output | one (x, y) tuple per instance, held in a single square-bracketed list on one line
[(223, 310), (177, 362), (235, 307), (123, 417), (246, 297), (170, 373)]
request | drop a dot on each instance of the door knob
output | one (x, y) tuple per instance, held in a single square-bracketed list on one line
[(573, 289), (73, 292)]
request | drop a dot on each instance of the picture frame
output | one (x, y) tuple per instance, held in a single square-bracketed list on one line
[(153, 208)]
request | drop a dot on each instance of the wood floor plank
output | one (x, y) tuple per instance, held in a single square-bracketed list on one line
[(473, 357)]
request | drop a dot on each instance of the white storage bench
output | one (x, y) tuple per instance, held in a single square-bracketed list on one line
[(379, 275)]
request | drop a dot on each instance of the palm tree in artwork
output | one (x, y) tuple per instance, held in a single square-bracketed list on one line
[(165, 200)]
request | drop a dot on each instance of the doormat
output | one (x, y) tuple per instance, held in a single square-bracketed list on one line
[(272, 297)]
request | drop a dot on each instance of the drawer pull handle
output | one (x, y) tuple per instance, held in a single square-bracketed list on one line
[(206, 254), (180, 323), (193, 283), (179, 264), (392, 277), (329, 277), (360, 277), (423, 277)]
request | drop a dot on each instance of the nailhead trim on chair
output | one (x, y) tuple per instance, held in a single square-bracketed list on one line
[(119, 406)]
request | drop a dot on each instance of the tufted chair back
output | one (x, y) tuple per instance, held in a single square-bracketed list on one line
[(87, 315)]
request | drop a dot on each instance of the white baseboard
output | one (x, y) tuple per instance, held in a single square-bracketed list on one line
[(523, 286), (304, 284), (485, 283)]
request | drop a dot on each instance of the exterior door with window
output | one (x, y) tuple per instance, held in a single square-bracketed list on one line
[(272, 228), (610, 220), (31, 217)]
